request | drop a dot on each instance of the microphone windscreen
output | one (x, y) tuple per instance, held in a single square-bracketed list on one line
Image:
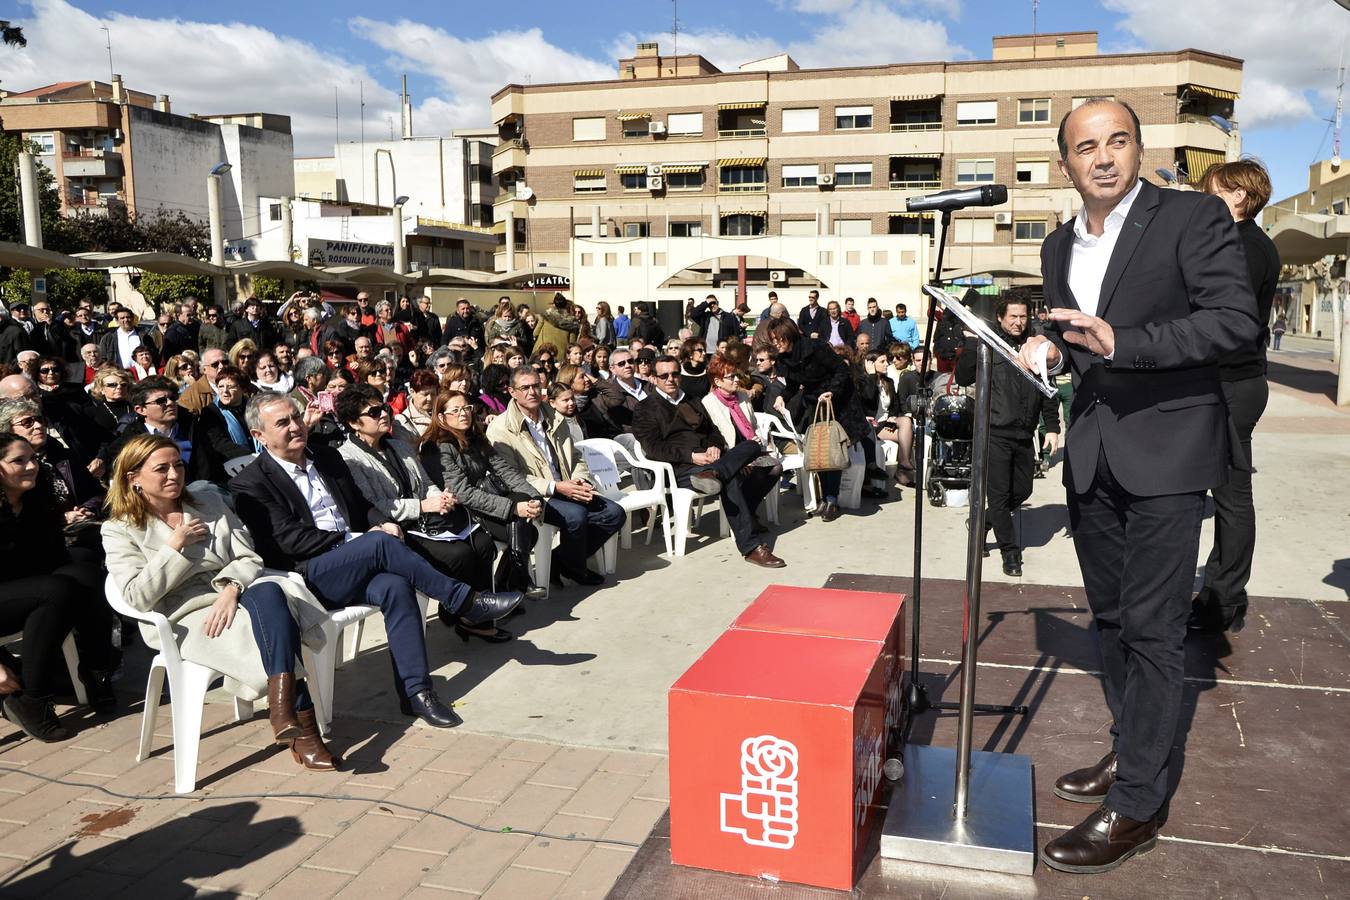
[(997, 194)]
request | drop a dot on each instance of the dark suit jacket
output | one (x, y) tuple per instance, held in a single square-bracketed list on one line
[(280, 520), (211, 443), (671, 433), (817, 322), (197, 466), (1177, 296)]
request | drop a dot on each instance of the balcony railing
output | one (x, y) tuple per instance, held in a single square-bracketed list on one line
[(916, 126), (909, 184), (89, 153), (740, 132), (755, 188)]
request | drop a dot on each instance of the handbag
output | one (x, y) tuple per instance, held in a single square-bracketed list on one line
[(826, 441)]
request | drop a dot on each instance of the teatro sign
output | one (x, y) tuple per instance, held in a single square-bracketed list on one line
[(323, 252), (542, 281)]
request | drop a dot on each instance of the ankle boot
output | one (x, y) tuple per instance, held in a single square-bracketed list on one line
[(36, 716), (281, 707), (308, 749), (98, 685)]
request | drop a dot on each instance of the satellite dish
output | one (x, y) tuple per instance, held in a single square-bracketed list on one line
[(1336, 160), (524, 192), (1166, 175)]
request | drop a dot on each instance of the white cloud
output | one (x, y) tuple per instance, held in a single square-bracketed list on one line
[(1290, 48), (203, 67)]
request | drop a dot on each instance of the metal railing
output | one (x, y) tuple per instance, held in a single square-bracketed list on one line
[(757, 188), (913, 185), (740, 132), (916, 126)]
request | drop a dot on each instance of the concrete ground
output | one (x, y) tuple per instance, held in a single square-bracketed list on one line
[(565, 726)]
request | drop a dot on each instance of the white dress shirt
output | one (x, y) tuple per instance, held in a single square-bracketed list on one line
[(638, 391), (1092, 254), (327, 516), (539, 433), (127, 342)]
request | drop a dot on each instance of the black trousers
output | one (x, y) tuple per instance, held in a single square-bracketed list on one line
[(45, 608), (469, 560), (1230, 561), (1137, 555), (741, 494), (1012, 462)]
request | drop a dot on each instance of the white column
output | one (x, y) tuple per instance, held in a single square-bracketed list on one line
[(32, 213), (287, 227), (217, 237), (510, 241)]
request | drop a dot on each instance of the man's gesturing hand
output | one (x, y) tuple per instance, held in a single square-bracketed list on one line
[(1093, 334), (1026, 357)]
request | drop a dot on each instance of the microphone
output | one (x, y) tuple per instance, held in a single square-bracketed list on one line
[(984, 195)]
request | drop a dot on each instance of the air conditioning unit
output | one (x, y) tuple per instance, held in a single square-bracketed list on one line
[(778, 276), (653, 170), (826, 180), (656, 127), (1002, 218), (655, 183)]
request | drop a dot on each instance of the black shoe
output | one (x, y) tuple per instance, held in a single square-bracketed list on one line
[(1012, 563), (1100, 842), (430, 709), (1089, 784), (488, 606), (875, 493), (1212, 619), (36, 717), (830, 512), (587, 577), (498, 636), (98, 685), (533, 592)]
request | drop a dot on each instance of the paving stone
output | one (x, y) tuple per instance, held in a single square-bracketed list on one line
[(596, 874), (330, 817), (434, 834), (656, 787), (41, 801), (532, 751), (634, 822), (311, 884), (517, 884), (496, 780), (554, 855), (528, 808), (468, 752), (392, 874), (629, 763), (564, 825), (425, 790), (569, 767), (142, 854), (281, 854), (603, 795), (477, 861), (360, 843)]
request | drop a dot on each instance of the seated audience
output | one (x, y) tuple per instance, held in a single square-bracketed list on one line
[(306, 515), (221, 433), (110, 410), (537, 441), (617, 397), (77, 494), (268, 375), (186, 555), (413, 422)]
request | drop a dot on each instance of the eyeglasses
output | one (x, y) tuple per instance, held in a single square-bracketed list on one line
[(49, 370), (214, 365), (376, 412), (29, 421), (213, 315), (460, 411), (532, 387)]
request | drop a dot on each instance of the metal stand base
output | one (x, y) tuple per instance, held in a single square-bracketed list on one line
[(999, 831)]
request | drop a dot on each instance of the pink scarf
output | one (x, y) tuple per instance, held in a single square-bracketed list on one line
[(732, 403)]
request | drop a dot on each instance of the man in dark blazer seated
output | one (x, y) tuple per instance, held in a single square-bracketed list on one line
[(306, 516), (1148, 290)]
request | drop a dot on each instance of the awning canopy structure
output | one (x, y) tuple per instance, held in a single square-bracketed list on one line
[(588, 173), (911, 215), (159, 263), (911, 98), (22, 256), (916, 155), (633, 116), (630, 170), (278, 268), (366, 275), (997, 270), (745, 212), (1199, 161), (1216, 93), (1304, 238), (682, 168), (736, 161), (751, 104)]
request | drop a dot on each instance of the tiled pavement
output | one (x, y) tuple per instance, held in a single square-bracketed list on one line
[(431, 813)]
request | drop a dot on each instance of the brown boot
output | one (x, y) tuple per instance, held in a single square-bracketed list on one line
[(309, 749), (281, 707)]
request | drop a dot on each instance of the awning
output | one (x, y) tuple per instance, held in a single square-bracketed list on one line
[(275, 268), (159, 263), (916, 156), (681, 168), (911, 215), (996, 270), (22, 256), (367, 275), (744, 212), (910, 98), (633, 116), (752, 161), (1216, 93), (1303, 238), (752, 104), (1199, 161), (629, 170), (588, 173)]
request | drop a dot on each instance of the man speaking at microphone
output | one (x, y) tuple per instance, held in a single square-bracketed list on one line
[(1147, 290)]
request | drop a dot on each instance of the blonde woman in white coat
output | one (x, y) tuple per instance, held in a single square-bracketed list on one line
[(187, 556)]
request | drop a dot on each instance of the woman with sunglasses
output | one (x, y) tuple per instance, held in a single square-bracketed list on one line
[(244, 357), (693, 359), (182, 370), (377, 374), (387, 472), (111, 390), (293, 330), (460, 459), (76, 493), (221, 433)]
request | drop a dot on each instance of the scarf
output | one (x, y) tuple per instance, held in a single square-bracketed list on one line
[(236, 428), (732, 403)]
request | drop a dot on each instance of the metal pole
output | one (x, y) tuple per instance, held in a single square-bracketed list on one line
[(979, 473), (400, 249), (288, 228), (32, 214), (217, 236)]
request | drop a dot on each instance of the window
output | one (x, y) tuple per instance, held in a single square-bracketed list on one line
[(635, 127), (801, 119), (684, 181), (588, 129), (977, 112), (480, 173), (852, 117), (852, 227), (853, 174), (1029, 230), (800, 176), (974, 171), (1033, 112), (274, 212), (686, 229), (1033, 171), (581, 230), (46, 143), (742, 178), (634, 229), (634, 181), (742, 224), (911, 223), (974, 231), (684, 123), (806, 227), (588, 182)]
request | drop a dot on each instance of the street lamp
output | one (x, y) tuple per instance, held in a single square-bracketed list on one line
[(217, 227), (400, 250)]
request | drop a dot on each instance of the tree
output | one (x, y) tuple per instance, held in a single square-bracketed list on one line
[(67, 287), (162, 290), (267, 289), (13, 35)]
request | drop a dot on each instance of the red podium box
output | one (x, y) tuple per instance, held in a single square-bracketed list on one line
[(859, 615), (776, 746)]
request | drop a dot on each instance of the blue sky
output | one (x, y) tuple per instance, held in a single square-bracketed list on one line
[(288, 57)]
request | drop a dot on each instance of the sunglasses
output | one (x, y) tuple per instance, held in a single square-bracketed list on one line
[(621, 362), (49, 370), (668, 376), (29, 421), (114, 384), (162, 402), (376, 412)]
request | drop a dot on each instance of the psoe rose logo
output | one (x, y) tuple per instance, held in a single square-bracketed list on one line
[(764, 813)]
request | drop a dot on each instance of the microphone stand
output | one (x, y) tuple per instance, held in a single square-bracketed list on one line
[(917, 696)]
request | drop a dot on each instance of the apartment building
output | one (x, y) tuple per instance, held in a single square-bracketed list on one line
[(111, 147), (792, 177), (1311, 230)]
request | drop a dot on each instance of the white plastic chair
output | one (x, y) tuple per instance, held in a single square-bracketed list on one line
[(234, 466), (603, 457), (851, 484), (72, 663), (792, 462), (681, 499)]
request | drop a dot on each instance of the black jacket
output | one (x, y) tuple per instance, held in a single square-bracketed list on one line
[(32, 542), (53, 339), (672, 433), (810, 370), (879, 330), (728, 323), (280, 520), (648, 329), (212, 446), (264, 333), (13, 340), (1016, 407), (1263, 271), (814, 322), (179, 337), (187, 432), (1177, 295)]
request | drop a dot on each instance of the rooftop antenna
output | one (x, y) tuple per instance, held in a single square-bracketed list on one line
[(675, 34), (337, 132), (108, 36), (362, 95), (1340, 89)]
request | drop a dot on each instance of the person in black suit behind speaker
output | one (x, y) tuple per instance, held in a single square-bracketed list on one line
[(1148, 290)]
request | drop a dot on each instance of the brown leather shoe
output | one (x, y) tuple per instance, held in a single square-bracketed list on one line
[(309, 749), (1088, 785), (830, 513), (281, 707), (1100, 842), (761, 556)]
